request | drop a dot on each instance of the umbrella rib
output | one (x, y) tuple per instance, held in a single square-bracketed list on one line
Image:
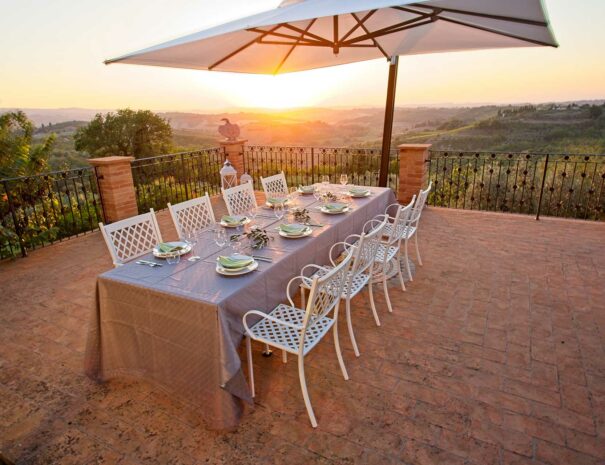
[(278, 34), (243, 47), (531, 22), (307, 33), (365, 29), (495, 31), (294, 46), (354, 28), (409, 24)]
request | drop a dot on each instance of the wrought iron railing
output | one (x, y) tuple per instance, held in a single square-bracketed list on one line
[(176, 177), (42, 209), (307, 165), (570, 186)]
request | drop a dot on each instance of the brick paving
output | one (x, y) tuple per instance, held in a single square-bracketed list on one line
[(494, 355)]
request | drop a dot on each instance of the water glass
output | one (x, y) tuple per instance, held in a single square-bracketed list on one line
[(191, 238), (220, 237), (279, 210), (325, 180), (236, 245), (173, 259)]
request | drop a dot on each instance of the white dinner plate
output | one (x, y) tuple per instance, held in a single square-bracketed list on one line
[(237, 272), (270, 205), (307, 232), (305, 192), (367, 194), (186, 249), (229, 225), (331, 212)]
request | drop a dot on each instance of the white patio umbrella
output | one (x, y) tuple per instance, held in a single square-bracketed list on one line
[(306, 34)]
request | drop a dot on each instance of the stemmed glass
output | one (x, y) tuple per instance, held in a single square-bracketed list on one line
[(191, 238), (344, 179), (325, 180), (252, 213), (220, 237), (279, 210)]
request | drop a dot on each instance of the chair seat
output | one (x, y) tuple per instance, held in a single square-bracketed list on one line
[(351, 288), (287, 338), (408, 232), (386, 252)]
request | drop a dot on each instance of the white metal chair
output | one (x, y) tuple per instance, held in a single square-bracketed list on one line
[(192, 215), (389, 252), (240, 199), (363, 251), (130, 238), (297, 330), (411, 229), (275, 186)]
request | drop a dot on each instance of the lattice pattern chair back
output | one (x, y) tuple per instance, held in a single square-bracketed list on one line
[(192, 215), (401, 222), (132, 237), (419, 205), (367, 247), (240, 199), (275, 186), (325, 292)]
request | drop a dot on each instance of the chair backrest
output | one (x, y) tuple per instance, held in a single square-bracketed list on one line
[(325, 293), (419, 205), (367, 247), (192, 215), (130, 238), (400, 222), (240, 199), (275, 186)]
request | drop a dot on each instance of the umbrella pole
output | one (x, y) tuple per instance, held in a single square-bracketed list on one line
[(388, 122)]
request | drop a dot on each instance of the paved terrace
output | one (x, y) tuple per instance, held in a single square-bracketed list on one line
[(494, 355)]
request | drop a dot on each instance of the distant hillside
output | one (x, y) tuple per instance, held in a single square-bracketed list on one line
[(558, 127)]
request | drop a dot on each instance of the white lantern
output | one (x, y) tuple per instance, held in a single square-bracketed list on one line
[(228, 175), (244, 178)]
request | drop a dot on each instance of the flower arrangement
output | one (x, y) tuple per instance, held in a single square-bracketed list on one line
[(301, 215), (257, 236)]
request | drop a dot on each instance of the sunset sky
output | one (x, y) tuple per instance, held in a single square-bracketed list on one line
[(52, 52)]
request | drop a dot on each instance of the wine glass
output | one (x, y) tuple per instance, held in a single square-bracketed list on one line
[(252, 213), (173, 259), (191, 238), (344, 179), (278, 210), (325, 180), (236, 245), (220, 237)]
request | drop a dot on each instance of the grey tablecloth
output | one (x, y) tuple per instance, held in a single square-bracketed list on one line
[(179, 326)]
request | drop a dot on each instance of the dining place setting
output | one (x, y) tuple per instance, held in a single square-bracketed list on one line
[(223, 282)]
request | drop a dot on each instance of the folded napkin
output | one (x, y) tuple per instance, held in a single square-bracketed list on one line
[(275, 200), (335, 207), (293, 229), (358, 191), (307, 188), (233, 220), (234, 261), (164, 247)]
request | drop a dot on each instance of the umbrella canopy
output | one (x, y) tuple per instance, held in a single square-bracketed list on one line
[(306, 34)]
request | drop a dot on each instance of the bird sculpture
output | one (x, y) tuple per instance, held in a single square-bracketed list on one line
[(228, 130)]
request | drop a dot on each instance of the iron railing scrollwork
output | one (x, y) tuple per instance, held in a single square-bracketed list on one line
[(39, 210), (561, 185), (307, 165), (176, 177)]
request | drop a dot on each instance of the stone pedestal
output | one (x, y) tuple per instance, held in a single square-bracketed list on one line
[(114, 175), (234, 151), (413, 170)]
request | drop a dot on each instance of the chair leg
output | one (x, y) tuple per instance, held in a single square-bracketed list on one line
[(407, 261), (350, 326), (302, 298), (284, 356), (250, 367), (267, 352), (372, 303), (398, 265), (339, 353), (417, 250), (305, 393), (386, 293)]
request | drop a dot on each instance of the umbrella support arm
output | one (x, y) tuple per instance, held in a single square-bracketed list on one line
[(388, 122)]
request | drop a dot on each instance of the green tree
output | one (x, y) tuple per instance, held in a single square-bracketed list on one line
[(18, 155), (138, 134)]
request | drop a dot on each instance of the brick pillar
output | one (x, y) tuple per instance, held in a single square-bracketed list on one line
[(413, 170), (234, 150), (116, 185)]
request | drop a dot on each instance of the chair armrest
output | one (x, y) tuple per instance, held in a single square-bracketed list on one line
[(345, 245), (302, 279)]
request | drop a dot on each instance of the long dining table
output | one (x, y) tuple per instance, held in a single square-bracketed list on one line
[(179, 326)]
